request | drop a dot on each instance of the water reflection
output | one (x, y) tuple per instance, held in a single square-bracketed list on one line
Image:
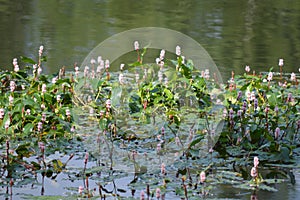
[(235, 33)]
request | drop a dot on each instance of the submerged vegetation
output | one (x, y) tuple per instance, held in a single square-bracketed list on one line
[(169, 127)]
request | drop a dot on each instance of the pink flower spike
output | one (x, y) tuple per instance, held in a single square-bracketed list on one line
[(280, 62), (253, 172), (202, 177), (80, 189), (136, 45), (178, 50), (256, 161), (142, 195), (157, 193), (247, 68)]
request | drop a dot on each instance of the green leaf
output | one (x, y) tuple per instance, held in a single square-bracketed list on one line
[(24, 150), (27, 60), (28, 128)]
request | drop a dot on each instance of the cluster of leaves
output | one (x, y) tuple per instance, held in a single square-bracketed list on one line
[(170, 107), (262, 118), (35, 122)]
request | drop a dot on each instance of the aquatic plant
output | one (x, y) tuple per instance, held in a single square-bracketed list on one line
[(156, 124)]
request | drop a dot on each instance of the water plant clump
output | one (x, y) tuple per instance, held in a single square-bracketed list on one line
[(155, 125)]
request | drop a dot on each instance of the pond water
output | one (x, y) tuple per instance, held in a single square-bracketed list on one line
[(235, 33)]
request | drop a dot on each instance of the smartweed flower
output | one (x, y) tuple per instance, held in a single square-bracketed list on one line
[(76, 71), (161, 64), (41, 50), (43, 117), (277, 132), (91, 112), (86, 71), (142, 195), (68, 113), (157, 60), (122, 66), (162, 54), (34, 68), (158, 147), (107, 64), (255, 104), (206, 74), (162, 131), (254, 173), (39, 70), (267, 110), (157, 193), (178, 50), (27, 112), (54, 79), (230, 114), (80, 190), (160, 76), (136, 45), (270, 76), (44, 88), (12, 86), (247, 68), (280, 62), (99, 59), (6, 125), (289, 97), (43, 106), (108, 104), (239, 96), (121, 79), (100, 66), (239, 113), (40, 126), (58, 98), (224, 113), (16, 68), (252, 98), (11, 100), (41, 146), (244, 106), (255, 161), (248, 95), (2, 113), (293, 77), (15, 62), (166, 81), (202, 177), (93, 61)]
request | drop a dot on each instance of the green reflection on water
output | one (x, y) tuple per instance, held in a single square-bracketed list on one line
[(235, 33)]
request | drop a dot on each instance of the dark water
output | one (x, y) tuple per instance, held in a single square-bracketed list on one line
[(235, 33)]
